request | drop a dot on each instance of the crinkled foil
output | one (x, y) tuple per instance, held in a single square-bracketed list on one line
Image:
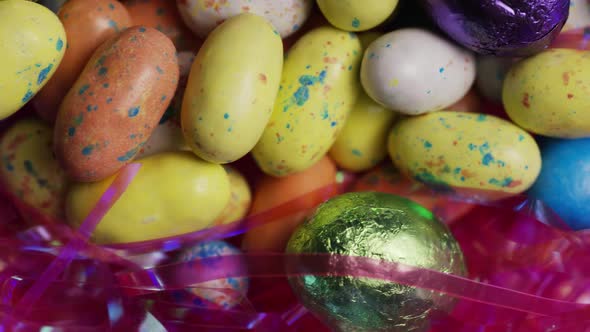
[(379, 226)]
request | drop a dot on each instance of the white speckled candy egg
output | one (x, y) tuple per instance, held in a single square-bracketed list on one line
[(414, 71), (579, 16), (491, 71), (202, 16)]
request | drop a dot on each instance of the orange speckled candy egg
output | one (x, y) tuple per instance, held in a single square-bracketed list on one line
[(387, 179), (240, 199), (163, 15), (88, 23), (116, 103), (29, 170), (271, 192)]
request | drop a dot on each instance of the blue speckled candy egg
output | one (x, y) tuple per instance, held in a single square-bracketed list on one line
[(564, 182)]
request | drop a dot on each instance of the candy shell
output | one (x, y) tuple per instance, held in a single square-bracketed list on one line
[(491, 72), (357, 15), (319, 88), (229, 99), (271, 192), (548, 94), (469, 153), (203, 16), (240, 200), (222, 293), (579, 15), (471, 102), (173, 193), (32, 47), (563, 181), (88, 24), (116, 103), (414, 71), (163, 15), (29, 169)]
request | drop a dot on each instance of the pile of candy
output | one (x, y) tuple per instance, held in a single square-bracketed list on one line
[(136, 135)]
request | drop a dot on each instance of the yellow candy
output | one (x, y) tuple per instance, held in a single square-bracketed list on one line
[(32, 44), (29, 168), (231, 88), (240, 200), (173, 193), (547, 94), (466, 151), (363, 141), (318, 90), (357, 15)]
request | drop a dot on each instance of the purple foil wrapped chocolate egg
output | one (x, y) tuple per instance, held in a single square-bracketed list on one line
[(501, 27)]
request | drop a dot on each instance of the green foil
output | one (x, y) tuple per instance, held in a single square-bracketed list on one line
[(378, 226)]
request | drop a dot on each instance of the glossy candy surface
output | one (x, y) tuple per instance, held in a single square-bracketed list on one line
[(466, 152), (414, 71), (231, 89), (33, 42), (319, 88), (29, 169), (88, 24), (548, 94), (173, 193), (116, 103), (507, 28), (379, 226)]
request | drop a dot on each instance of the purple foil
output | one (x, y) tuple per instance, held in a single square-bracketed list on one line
[(501, 27)]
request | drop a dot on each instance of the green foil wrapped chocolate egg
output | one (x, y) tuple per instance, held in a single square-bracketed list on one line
[(379, 226)]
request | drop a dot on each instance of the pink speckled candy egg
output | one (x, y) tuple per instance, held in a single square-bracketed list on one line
[(414, 71), (202, 16), (225, 293)]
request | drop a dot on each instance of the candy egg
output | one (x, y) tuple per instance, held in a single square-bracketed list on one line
[(579, 15), (202, 16), (240, 199), (491, 72), (471, 102), (29, 168), (466, 152), (272, 192), (357, 15), (563, 181), (319, 88), (163, 15), (510, 28), (88, 23), (173, 193), (385, 228), (33, 45), (557, 109), (229, 99), (224, 293), (116, 103), (413, 71)]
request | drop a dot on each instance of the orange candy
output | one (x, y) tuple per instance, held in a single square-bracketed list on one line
[(272, 192), (471, 102), (88, 23)]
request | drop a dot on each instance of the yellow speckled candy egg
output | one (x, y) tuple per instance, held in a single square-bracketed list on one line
[(579, 15), (231, 89), (29, 168), (357, 15), (319, 88), (32, 44), (467, 151), (202, 16), (415, 71), (173, 193), (240, 200), (363, 141), (547, 94)]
